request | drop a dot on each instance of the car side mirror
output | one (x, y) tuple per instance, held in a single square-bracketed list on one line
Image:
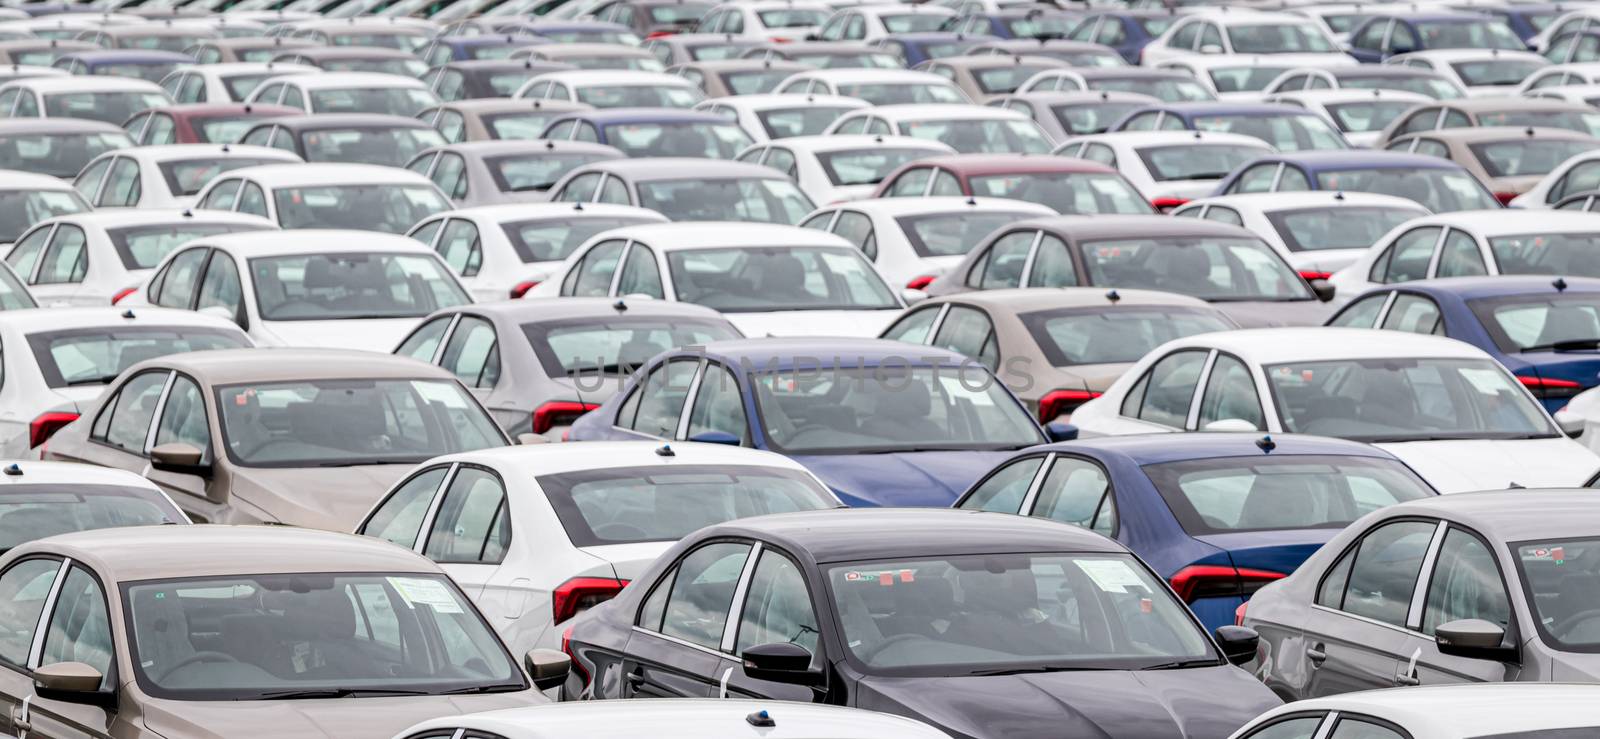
[(73, 682), (1061, 431), (1238, 643), (1323, 289), (1230, 425), (716, 437), (547, 667), (179, 457), (780, 662), (1474, 639), (1570, 423)]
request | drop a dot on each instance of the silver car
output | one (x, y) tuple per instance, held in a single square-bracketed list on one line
[(477, 173)]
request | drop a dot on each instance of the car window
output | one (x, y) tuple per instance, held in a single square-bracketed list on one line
[(25, 254), (472, 525), (1167, 389), (1466, 583), (221, 288), (252, 200), (80, 627), (1076, 491), (912, 183), (661, 400), (222, 195), (913, 327), (1003, 491), (1362, 313), (1298, 727), (1422, 120), (1385, 569), (945, 184), (88, 181), (718, 405), (1230, 395), (856, 228), (183, 418), (1293, 180), (1052, 266), (1002, 265), (1352, 728), (579, 189), (614, 191), (461, 248), (399, 519), (777, 607), (23, 591), (1455, 119), (641, 274), (1582, 177), (1460, 256), (122, 187), (1224, 215), (473, 353), (423, 342), (591, 276), (66, 261), (451, 175), (1255, 179), (1408, 258), (969, 332), (177, 281), (695, 608), (1414, 314), (133, 410)]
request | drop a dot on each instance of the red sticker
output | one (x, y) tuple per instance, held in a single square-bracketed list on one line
[(885, 578), (905, 576), (1145, 606)]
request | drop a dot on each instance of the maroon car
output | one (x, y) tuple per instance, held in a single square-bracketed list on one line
[(1068, 185), (200, 123)]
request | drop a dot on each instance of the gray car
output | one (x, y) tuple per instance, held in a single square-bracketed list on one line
[(1063, 115), (689, 189), (477, 173), (487, 119), (1476, 587), (353, 138)]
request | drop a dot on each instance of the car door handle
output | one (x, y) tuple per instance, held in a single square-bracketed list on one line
[(1316, 654)]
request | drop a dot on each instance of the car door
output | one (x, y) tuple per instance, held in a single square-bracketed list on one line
[(1466, 583), (120, 432), (58, 279), (1161, 400), (25, 590), (657, 409), (77, 629), (674, 649), (778, 608), (468, 535), (183, 420)]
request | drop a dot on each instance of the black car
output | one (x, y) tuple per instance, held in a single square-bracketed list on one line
[(983, 624)]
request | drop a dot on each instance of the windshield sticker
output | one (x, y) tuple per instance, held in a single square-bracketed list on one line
[(420, 591), (885, 578), (1557, 555), (1487, 381), (1113, 576)]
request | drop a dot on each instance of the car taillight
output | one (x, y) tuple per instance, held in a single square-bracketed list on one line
[(781, 40), (920, 282), (1311, 274), (660, 34), (559, 413), (1166, 204), (1505, 198), (566, 648), (123, 293), (1544, 387), (582, 593), (1057, 402), (1238, 613), (46, 425), (1216, 581), (520, 289)]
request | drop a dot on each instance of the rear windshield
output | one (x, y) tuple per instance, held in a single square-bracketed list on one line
[(187, 176), (530, 172), (1115, 335), (554, 239), (1310, 229), (526, 125), (953, 233), (95, 356), (143, 247), (1526, 157), (867, 166), (1210, 496), (29, 512), (616, 345), (1197, 161)]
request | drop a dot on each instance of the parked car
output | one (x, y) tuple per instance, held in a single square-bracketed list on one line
[(1494, 111), (1317, 232), (737, 76), (486, 78), (1165, 85), (614, 89), (107, 99), (202, 123), (769, 117), (150, 66), (1440, 712), (876, 86), (688, 189), (913, 48), (1396, 77), (487, 119), (369, 59), (840, 167), (347, 92), (653, 132), (1217, 31), (1383, 36), (969, 129), (492, 172), (694, 718), (1509, 160), (223, 83), (363, 197), (1438, 184), (165, 176), (27, 198), (1242, 78), (1060, 183), (1063, 115), (1286, 127), (986, 77), (1169, 168)]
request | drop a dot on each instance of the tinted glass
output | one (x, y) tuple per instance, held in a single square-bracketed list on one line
[(356, 285), (1211, 496)]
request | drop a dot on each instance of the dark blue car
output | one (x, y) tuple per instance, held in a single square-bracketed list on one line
[(150, 66), (1546, 330), (1127, 31), (1286, 127), (881, 422), (1382, 36), (1436, 183), (1217, 515), (916, 48)]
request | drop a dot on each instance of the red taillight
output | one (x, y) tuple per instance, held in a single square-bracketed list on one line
[(781, 40), (46, 425), (1166, 204), (1057, 402), (582, 593), (123, 293), (1311, 274), (1505, 198), (520, 289), (920, 282), (1543, 387), (566, 648), (1215, 581), (559, 413), (661, 34), (1238, 613)]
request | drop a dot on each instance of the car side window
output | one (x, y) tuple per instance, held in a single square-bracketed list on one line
[(452, 125), (451, 175), (1222, 214), (641, 275), (613, 191), (969, 332), (661, 401), (718, 405), (258, 136), (66, 261), (80, 627), (1362, 313), (1052, 264), (1408, 259), (777, 607), (1422, 120), (1076, 491), (24, 590), (1256, 179), (133, 410), (423, 342), (1385, 570), (945, 184), (25, 254), (181, 275), (1466, 583), (592, 275), (913, 327), (398, 520), (1582, 177), (1293, 180), (1230, 395), (183, 418), (856, 228), (1413, 314), (473, 353), (122, 185), (911, 183), (701, 593), (1003, 491), (1002, 265), (1354, 728), (1455, 119), (1297, 727), (252, 200), (1460, 256), (460, 248), (1169, 388), (472, 525), (222, 195), (579, 189), (88, 181)]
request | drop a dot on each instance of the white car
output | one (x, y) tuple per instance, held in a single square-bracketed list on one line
[(1166, 85), (1242, 77), (94, 97), (221, 83), (1481, 242), (1169, 168), (1317, 232), (502, 251), (875, 21), (833, 169), (166, 176), (768, 280), (781, 21), (1368, 77), (1444, 407), (678, 718), (1560, 75), (914, 240), (622, 88), (584, 519), (364, 197), (27, 198), (876, 86), (1481, 72), (1578, 174), (321, 289), (347, 92), (1361, 115), (1529, 710), (1241, 31), (1581, 94), (771, 117), (968, 129), (98, 258), (67, 356)]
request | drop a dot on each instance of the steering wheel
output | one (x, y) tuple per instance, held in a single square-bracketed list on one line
[(629, 531), (197, 657), (885, 644), (1578, 619)]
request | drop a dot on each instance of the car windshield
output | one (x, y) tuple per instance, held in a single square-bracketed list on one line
[(388, 208), (588, 348), (903, 93), (518, 126), (754, 82), (29, 512), (987, 614), (1286, 132), (1582, 121), (1438, 190), (763, 200), (1570, 321), (95, 356), (705, 140), (789, 278), (352, 285), (404, 67), (1165, 89), (1433, 86), (844, 408), (108, 106), (1244, 79), (57, 154), (1484, 34), (1209, 268), (1002, 80), (1402, 399), (535, 171), (1088, 118), (1519, 158), (1115, 334), (781, 123), (977, 136), (350, 422), (1368, 115), (846, 60), (791, 18), (638, 96), (868, 166), (1197, 161), (1576, 254), (554, 239), (657, 504), (400, 101), (420, 636), (1346, 227), (143, 247), (1567, 616), (20, 209), (187, 176), (953, 233), (1066, 192), (912, 22), (1273, 493), (222, 129), (1279, 38), (152, 72)]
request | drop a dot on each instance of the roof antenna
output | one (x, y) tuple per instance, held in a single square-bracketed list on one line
[(665, 450), (15, 470), (619, 305), (1338, 195), (1113, 296), (127, 313), (760, 718), (1266, 444), (1560, 284)]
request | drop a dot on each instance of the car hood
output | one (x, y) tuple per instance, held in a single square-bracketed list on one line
[(334, 718), (933, 479), (1198, 703), (1275, 313), (1459, 466), (331, 498), (853, 323), (370, 334)]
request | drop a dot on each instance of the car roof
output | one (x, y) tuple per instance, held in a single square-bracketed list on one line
[(1519, 104), (790, 351), (1431, 15), (1449, 55), (1478, 709), (537, 310), (895, 207), (1354, 95), (1084, 96), (84, 83), (1516, 515), (1473, 288), (501, 105), (987, 164), (739, 65), (543, 459), (1224, 107), (1082, 227), (723, 234), (678, 168), (56, 125), (847, 534), (611, 116), (1137, 139), (302, 121), (848, 76), (683, 718), (1492, 223), (771, 101), (38, 472), (292, 175), (14, 179), (1234, 61), (1345, 159), (120, 217), (181, 152), (990, 61), (76, 317), (201, 110), (1373, 70), (128, 55), (584, 48), (841, 142), (311, 241), (943, 111), (1145, 449), (1476, 134)]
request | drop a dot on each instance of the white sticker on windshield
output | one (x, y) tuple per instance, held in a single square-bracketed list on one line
[(420, 591), (1112, 575), (439, 392), (1487, 381)]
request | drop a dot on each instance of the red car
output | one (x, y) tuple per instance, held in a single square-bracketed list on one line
[(200, 123), (1069, 185)]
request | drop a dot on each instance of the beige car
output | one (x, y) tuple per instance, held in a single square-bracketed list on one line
[(1508, 159), (306, 437), (200, 632), (1056, 348), (1492, 111)]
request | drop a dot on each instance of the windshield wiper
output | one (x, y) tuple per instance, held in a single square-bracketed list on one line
[(365, 462), (495, 688), (335, 693), (1030, 670), (1183, 663), (101, 380), (1570, 345)]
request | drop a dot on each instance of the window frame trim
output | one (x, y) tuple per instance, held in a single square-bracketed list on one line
[(425, 531), (1351, 550)]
